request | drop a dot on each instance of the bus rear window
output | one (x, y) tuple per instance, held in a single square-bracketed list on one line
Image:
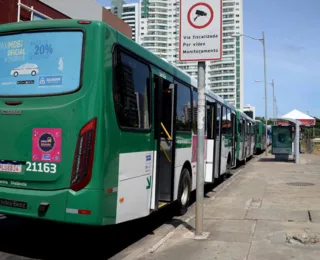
[(40, 63)]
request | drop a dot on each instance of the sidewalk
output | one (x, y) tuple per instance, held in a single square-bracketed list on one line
[(261, 215)]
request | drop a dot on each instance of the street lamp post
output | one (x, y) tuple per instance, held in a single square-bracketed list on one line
[(265, 90), (274, 103), (262, 40)]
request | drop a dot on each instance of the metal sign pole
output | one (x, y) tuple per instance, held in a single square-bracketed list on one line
[(200, 40), (297, 140), (200, 148)]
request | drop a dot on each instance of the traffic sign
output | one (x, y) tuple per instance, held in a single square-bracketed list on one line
[(200, 30)]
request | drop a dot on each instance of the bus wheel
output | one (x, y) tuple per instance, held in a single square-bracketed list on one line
[(184, 192), (244, 162), (229, 163)]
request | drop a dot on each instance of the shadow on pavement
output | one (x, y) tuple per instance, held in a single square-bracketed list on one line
[(274, 160)]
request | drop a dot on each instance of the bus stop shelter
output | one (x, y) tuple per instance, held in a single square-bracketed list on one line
[(296, 124)]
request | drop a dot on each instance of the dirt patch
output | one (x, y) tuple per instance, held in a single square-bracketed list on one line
[(304, 238)]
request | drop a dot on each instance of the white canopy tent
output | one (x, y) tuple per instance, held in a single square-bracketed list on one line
[(304, 119)]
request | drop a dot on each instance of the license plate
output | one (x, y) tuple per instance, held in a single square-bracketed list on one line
[(7, 167)]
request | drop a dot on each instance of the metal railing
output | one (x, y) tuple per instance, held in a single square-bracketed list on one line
[(30, 9)]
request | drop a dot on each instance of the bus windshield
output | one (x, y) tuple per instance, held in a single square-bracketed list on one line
[(40, 63)]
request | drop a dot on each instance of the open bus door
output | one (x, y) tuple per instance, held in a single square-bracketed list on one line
[(249, 141), (233, 152), (165, 139), (243, 137), (210, 121), (217, 141)]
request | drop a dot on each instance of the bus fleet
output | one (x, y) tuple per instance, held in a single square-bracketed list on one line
[(96, 130)]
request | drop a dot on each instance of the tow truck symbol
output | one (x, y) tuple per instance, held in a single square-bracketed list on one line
[(199, 13)]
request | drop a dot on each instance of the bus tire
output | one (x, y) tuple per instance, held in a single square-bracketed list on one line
[(244, 162), (229, 164), (184, 192)]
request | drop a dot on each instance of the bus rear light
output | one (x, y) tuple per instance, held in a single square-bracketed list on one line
[(78, 211), (83, 156), (84, 22), (84, 212)]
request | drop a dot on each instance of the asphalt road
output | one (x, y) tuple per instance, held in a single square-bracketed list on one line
[(30, 239)]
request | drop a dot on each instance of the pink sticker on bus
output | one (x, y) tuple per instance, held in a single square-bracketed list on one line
[(194, 148), (46, 144)]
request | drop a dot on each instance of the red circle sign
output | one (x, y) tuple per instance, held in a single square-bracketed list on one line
[(207, 23)]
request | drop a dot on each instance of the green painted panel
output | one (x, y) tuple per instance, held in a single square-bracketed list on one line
[(183, 140)]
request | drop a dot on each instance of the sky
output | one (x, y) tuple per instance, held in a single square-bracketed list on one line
[(292, 37)]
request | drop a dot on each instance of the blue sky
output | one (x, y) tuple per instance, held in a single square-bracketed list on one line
[(292, 47), (293, 55)]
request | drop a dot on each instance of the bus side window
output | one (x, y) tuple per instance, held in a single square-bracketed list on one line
[(224, 123), (229, 120), (184, 108), (131, 91), (195, 114), (210, 127), (218, 119)]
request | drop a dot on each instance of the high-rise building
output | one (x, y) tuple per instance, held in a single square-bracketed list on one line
[(117, 7), (130, 14), (159, 33)]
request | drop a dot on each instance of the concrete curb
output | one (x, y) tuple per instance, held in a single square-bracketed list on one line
[(186, 219)]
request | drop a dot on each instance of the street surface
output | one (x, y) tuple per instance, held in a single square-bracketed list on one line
[(270, 210), (29, 239)]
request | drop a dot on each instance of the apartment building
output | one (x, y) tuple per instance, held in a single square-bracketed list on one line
[(130, 14), (159, 33)]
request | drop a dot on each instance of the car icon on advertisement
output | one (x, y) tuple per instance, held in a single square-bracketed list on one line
[(26, 69)]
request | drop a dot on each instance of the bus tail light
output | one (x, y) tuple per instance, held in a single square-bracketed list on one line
[(83, 156)]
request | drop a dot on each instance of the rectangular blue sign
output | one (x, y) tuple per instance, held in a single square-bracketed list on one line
[(50, 80), (40, 63)]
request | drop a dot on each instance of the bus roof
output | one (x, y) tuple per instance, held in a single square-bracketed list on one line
[(247, 117)]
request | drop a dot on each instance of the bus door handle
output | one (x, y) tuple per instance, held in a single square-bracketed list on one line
[(166, 131)]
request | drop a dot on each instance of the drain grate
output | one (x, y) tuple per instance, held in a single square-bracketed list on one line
[(300, 184)]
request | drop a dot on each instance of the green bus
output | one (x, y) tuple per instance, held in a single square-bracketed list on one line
[(260, 133), (97, 130), (245, 135)]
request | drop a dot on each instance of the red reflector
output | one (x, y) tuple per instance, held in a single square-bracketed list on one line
[(84, 212), (84, 22)]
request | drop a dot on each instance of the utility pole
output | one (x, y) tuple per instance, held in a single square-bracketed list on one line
[(274, 100), (265, 90)]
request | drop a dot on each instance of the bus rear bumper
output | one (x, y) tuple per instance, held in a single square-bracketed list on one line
[(81, 207)]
